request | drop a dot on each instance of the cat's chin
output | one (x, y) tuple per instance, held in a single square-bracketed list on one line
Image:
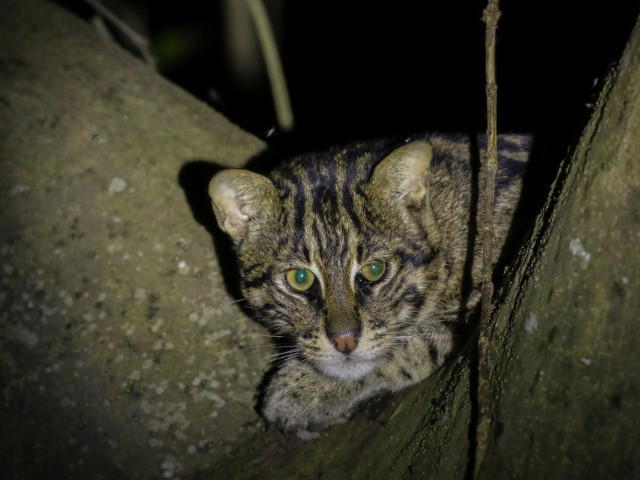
[(347, 368)]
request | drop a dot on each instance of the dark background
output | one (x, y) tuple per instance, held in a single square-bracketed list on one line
[(359, 70)]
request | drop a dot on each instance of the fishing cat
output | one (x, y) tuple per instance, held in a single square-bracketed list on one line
[(358, 257)]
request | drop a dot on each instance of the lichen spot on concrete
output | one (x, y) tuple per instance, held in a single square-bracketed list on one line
[(531, 323), (575, 245), (21, 334), (183, 268), (140, 293), (117, 185), (20, 190)]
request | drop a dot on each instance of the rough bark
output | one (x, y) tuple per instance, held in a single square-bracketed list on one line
[(120, 356)]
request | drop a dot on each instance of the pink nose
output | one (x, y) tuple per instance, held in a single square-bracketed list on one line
[(346, 342)]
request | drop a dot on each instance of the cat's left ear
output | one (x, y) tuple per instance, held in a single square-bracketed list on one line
[(404, 174)]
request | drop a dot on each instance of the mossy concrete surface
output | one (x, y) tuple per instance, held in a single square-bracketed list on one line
[(566, 356), (121, 354)]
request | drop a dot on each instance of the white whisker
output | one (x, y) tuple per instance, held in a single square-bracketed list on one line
[(231, 302), (268, 345)]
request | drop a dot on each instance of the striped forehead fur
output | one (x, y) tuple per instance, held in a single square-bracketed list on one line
[(323, 203)]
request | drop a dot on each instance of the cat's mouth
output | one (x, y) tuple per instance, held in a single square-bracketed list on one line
[(353, 366)]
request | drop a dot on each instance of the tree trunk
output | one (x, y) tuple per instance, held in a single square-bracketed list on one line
[(121, 355)]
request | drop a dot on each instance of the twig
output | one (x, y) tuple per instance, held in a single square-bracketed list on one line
[(138, 41), (273, 64), (490, 16)]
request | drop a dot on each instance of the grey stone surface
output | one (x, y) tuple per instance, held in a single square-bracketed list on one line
[(120, 348)]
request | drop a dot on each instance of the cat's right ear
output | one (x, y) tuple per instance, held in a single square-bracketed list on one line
[(240, 197)]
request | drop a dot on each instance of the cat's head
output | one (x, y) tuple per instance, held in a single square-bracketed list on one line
[(338, 253)]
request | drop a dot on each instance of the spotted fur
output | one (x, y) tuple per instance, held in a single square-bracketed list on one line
[(409, 205)]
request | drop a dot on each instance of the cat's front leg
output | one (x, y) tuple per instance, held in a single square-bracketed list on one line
[(301, 399)]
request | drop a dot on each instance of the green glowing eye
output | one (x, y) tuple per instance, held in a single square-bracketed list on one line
[(373, 271), (300, 279)]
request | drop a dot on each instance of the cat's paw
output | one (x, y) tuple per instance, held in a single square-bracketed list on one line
[(299, 399)]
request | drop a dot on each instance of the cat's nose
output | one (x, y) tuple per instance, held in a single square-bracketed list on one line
[(345, 342)]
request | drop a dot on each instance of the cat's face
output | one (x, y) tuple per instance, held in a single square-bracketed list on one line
[(338, 256)]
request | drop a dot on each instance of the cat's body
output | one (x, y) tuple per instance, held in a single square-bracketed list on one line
[(366, 259)]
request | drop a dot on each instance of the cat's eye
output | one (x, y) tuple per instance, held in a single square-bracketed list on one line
[(373, 271), (300, 279)]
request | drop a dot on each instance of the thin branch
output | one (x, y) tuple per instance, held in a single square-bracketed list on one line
[(140, 42), (491, 15), (273, 64)]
